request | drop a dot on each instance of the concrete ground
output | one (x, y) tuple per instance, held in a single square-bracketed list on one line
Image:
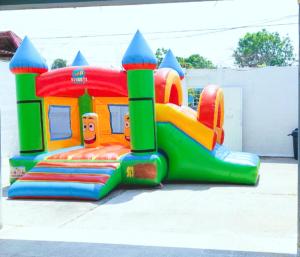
[(177, 220)]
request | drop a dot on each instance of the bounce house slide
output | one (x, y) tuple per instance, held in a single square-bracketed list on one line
[(65, 180), (190, 154), (83, 130)]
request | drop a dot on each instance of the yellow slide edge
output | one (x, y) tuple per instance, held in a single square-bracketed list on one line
[(187, 123)]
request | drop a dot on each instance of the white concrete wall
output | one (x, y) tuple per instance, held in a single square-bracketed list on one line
[(9, 125), (270, 104)]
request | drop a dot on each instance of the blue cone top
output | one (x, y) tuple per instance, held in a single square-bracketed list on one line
[(170, 61), (27, 59), (138, 54), (80, 60)]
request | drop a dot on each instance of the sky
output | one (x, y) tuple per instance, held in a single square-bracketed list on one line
[(211, 29)]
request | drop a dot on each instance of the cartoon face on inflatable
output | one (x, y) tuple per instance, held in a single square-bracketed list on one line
[(91, 134), (127, 127)]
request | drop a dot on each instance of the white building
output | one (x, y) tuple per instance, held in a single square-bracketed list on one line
[(261, 106)]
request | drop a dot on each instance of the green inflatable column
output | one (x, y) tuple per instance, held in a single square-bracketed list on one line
[(144, 166), (141, 111), (85, 106), (140, 62), (27, 64)]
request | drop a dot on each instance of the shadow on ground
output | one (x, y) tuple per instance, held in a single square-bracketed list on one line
[(118, 196), (23, 248), (133, 191)]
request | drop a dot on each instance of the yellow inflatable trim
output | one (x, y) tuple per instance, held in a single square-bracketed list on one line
[(173, 79), (186, 120)]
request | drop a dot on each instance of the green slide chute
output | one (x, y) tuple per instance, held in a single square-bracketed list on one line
[(190, 161)]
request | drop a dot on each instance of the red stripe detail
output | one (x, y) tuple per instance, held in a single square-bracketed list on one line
[(110, 152), (28, 70), (160, 78), (112, 155), (207, 106), (222, 137), (65, 177), (107, 153), (219, 116), (173, 98), (214, 140), (78, 164), (72, 153), (97, 81), (139, 66)]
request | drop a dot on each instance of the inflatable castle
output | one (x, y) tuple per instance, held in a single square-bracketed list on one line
[(85, 130)]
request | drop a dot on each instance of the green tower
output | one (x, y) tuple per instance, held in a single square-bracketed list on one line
[(27, 64), (146, 165), (140, 62)]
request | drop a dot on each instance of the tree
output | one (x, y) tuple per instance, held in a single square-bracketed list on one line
[(58, 63), (193, 61), (264, 48), (199, 62), (160, 54), (193, 97)]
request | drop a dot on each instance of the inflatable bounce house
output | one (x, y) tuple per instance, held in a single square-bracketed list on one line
[(84, 130)]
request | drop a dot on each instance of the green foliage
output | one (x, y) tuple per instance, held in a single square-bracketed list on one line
[(198, 62), (58, 63), (264, 48), (193, 61), (160, 54), (193, 97)]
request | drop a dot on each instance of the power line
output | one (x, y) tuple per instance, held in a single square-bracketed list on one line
[(203, 33), (218, 29), (228, 29)]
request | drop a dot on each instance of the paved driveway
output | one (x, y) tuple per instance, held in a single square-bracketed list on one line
[(168, 220)]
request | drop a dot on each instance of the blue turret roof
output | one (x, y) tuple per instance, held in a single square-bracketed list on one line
[(80, 60), (27, 59), (170, 61), (138, 54)]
